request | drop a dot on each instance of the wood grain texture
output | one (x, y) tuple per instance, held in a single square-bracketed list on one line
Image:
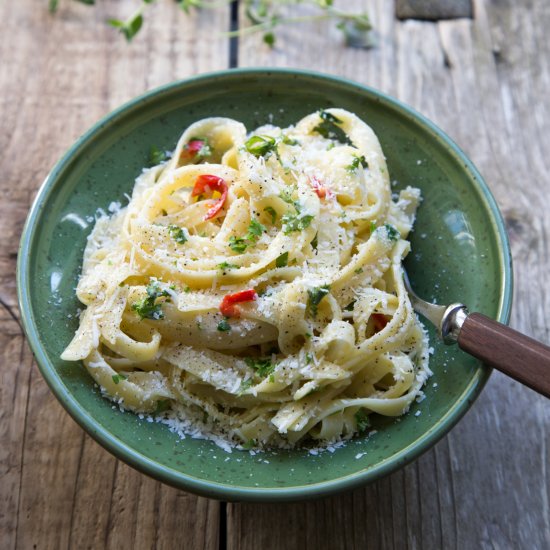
[(58, 75), (485, 81)]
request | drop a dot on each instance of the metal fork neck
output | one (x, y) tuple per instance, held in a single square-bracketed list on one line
[(452, 322)]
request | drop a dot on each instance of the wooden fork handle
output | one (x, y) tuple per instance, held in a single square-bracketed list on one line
[(507, 350)]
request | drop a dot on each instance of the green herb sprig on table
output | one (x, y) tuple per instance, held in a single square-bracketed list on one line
[(263, 16)]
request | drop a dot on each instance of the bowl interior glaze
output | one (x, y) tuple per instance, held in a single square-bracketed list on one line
[(459, 253)]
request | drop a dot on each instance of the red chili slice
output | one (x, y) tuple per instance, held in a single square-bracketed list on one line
[(228, 304), (192, 148), (209, 183), (380, 321), (320, 189)]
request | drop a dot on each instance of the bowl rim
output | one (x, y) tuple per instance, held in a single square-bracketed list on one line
[(227, 491)]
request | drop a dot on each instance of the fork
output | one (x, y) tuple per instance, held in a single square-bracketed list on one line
[(497, 345)]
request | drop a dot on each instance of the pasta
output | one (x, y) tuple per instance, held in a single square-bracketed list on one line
[(253, 286)]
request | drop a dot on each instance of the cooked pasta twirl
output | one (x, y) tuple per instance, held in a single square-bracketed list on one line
[(253, 285)]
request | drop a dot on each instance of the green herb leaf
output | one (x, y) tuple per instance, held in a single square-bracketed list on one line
[(271, 211), (52, 5), (290, 141), (255, 230), (148, 308), (329, 129), (130, 27), (260, 146), (238, 244), (224, 265), (372, 226), (263, 367), (293, 222), (269, 39), (357, 31), (315, 295), (177, 234), (392, 232), (118, 377), (350, 306), (314, 242), (186, 5), (282, 260), (224, 326), (362, 420), (356, 162)]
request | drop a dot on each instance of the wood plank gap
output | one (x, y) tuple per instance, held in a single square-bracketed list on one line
[(108, 529), (222, 540), (23, 447), (234, 40), (75, 488)]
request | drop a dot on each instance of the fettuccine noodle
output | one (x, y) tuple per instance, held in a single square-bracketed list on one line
[(253, 285)]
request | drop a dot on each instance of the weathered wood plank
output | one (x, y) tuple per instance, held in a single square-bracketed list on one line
[(486, 484), (58, 75)]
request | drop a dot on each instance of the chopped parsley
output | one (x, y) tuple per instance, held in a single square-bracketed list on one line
[(177, 234), (295, 222), (290, 141), (359, 270), (224, 326), (315, 241), (118, 377), (329, 129), (315, 295), (224, 265), (263, 367), (372, 226), (282, 260), (240, 244), (392, 232), (255, 230), (237, 244), (148, 308), (309, 358), (362, 420), (356, 162), (271, 211), (350, 306), (261, 146), (156, 156)]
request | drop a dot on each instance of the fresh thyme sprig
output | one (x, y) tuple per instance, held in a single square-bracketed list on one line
[(264, 16)]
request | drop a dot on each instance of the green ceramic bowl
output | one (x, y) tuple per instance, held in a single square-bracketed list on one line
[(459, 253)]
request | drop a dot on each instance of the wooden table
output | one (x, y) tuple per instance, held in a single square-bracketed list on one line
[(485, 81)]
